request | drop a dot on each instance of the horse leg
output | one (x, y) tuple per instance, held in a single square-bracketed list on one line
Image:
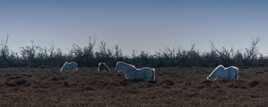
[(154, 76)]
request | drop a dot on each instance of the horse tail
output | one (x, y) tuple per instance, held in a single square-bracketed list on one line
[(116, 66), (154, 75), (99, 65), (237, 74), (61, 69)]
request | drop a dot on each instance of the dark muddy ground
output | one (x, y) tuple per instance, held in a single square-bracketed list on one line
[(176, 87)]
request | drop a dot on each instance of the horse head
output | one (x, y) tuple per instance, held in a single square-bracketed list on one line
[(219, 70)]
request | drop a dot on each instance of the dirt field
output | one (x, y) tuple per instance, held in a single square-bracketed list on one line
[(185, 87)]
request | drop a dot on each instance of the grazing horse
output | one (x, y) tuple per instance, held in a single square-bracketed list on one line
[(223, 73), (69, 66), (104, 66), (130, 72)]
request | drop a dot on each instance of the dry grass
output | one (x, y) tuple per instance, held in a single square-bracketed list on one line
[(185, 87)]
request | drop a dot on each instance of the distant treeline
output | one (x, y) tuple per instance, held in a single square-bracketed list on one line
[(90, 55)]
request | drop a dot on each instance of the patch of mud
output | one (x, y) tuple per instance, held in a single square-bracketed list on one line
[(253, 84), (57, 78), (204, 84), (18, 81), (167, 83)]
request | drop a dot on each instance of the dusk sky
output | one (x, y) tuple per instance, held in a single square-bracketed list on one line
[(136, 24)]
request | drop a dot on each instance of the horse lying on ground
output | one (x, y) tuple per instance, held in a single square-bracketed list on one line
[(69, 66), (223, 73), (130, 72)]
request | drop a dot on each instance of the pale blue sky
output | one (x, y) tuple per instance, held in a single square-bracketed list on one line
[(136, 24)]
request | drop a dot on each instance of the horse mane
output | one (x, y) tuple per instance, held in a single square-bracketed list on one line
[(118, 62), (234, 67)]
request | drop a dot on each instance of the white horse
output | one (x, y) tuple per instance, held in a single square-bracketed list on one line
[(223, 73), (130, 72), (104, 66), (69, 66)]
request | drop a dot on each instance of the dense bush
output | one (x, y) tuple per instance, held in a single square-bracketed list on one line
[(89, 56)]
